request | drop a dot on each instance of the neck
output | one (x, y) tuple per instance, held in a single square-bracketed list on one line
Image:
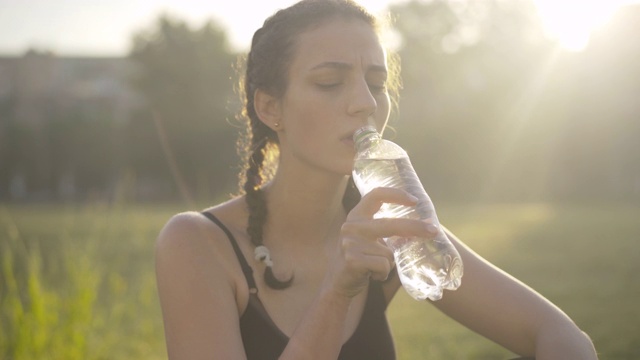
[(308, 208)]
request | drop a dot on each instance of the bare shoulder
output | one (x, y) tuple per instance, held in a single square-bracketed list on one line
[(193, 245), (185, 248), (191, 230), (186, 229), (201, 287)]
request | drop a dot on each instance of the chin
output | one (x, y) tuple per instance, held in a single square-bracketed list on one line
[(347, 170)]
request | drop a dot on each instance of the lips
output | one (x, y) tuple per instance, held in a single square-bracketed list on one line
[(348, 142), (348, 139)]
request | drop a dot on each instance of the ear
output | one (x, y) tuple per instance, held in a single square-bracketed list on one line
[(268, 109)]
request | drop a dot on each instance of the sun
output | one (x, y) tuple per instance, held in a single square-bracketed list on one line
[(571, 22)]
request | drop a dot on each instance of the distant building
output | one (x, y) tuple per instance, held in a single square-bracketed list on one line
[(38, 88), (39, 82)]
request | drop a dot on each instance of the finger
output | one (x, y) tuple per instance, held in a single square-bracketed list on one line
[(366, 247), (372, 201), (374, 261), (387, 227), (380, 268)]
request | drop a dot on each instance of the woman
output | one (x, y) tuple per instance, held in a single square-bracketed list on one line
[(294, 268)]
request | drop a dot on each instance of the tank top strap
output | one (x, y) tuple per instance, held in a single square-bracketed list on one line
[(246, 269)]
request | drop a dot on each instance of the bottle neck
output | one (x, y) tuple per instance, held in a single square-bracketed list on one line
[(365, 137)]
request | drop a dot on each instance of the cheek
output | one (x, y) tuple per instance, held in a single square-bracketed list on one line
[(308, 112), (305, 121), (304, 116)]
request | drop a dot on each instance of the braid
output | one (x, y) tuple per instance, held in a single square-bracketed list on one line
[(272, 49), (257, 205), (255, 197)]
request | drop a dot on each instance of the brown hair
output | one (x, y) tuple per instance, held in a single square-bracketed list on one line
[(267, 63)]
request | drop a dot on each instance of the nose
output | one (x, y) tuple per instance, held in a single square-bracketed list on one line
[(362, 102)]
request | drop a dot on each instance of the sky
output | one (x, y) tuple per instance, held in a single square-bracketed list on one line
[(94, 27), (105, 28)]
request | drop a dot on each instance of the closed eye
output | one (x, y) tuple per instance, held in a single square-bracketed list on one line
[(328, 86), (377, 89)]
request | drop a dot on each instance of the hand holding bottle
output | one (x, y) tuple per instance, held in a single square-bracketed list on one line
[(363, 253), (426, 266)]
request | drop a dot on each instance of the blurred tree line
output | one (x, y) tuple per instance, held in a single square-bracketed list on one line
[(491, 109), (184, 133)]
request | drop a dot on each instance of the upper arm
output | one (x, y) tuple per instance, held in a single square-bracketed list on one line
[(197, 296), (498, 306)]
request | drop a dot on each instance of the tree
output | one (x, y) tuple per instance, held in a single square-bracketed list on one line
[(599, 155), (467, 69), (186, 77)]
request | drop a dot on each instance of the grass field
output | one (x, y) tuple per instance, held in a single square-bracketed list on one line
[(77, 281)]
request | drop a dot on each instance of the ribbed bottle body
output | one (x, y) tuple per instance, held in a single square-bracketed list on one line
[(426, 266)]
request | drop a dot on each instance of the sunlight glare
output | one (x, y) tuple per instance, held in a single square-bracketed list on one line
[(572, 22)]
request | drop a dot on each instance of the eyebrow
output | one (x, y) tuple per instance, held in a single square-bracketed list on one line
[(346, 66)]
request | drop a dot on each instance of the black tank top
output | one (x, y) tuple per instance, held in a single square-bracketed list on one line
[(263, 340)]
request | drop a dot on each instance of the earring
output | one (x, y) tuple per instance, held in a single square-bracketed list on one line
[(276, 125)]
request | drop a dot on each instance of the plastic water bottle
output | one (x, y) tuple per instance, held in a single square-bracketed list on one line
[(426, 266)]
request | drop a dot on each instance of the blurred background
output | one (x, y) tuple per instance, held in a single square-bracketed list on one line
[(522, 118)]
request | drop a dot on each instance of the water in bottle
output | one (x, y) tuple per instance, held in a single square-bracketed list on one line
[(426, 266)]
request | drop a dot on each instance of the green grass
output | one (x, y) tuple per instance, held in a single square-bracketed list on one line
[(77, 282), (584, 258)]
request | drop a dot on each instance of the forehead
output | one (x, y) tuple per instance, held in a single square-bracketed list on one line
[(349, 41)]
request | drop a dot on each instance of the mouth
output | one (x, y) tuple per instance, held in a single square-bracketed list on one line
[(348, 139)]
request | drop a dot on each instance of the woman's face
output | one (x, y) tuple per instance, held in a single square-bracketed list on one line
[(337, 84)]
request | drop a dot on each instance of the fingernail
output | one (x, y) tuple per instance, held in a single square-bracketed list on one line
[(432, 228), (413, 198)]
